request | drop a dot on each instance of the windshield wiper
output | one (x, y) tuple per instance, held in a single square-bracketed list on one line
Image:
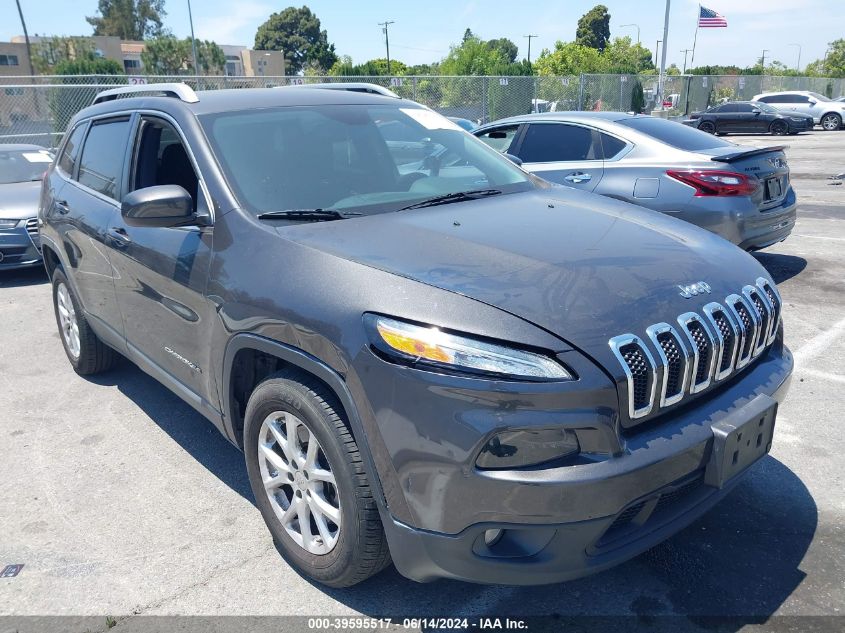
[(314, 215), (457, 196)]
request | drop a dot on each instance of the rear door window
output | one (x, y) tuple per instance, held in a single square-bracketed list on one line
[(558, 142), (500, 138), (611, 146), (674, 134), (101, 162), (70, 153)]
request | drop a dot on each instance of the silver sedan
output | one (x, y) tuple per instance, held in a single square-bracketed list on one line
[(743, 194)]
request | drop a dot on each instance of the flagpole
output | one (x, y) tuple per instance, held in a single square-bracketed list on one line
[(695, 39)]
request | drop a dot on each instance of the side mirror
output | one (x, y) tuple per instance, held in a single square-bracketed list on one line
[(516, 160), (756, 110), (812, 102), (158, 206)]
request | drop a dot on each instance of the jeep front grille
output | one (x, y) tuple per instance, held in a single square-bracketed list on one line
[(671, 363)]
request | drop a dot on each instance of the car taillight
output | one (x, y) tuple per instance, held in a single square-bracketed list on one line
[(716, 183)]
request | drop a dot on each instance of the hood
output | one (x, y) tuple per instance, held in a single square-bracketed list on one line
[(579, 265), (19, 200)]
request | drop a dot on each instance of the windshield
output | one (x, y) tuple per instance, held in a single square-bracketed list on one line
[(23, 165), (361, 158), (674, 134), (819, 97)]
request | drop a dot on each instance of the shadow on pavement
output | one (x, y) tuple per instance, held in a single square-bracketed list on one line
[(738, 563), (23, 277), (781, 267), (196, 435)]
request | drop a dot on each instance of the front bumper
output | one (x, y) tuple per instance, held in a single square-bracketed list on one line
[(566, 522), (18, 249)]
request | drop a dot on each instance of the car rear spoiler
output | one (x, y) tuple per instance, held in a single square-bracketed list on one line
[(748, 153)]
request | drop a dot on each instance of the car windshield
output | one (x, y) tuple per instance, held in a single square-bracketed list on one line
[(765, 107), (674, 134), (359, 159), (819, 97), (23, 165)]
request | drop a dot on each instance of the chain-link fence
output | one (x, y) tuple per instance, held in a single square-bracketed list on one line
[(37, 109)]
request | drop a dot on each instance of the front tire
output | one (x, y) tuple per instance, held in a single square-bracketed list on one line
[(86, 352), (831, 122), (779, 128), (309, 482), (707, 126)]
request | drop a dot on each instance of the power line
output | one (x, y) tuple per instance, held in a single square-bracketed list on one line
[(530, 37), (384, 26)]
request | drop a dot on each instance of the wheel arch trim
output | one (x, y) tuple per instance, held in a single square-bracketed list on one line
[(317, 368)]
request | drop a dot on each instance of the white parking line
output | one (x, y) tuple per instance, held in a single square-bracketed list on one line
[(819, 343), (815, 373), (821, 237)]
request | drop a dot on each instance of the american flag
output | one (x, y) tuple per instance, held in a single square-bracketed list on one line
[(708, 18)]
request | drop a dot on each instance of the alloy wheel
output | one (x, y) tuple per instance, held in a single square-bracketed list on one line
[(831, 122), (299, 482), (67, 320)]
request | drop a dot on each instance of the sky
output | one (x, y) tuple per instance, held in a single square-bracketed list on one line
[(423, 31)]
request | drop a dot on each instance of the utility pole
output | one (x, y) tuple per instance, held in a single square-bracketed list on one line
[(685, 51), (26, 39), (530, 37), (193, 41), (384, 26), (657, 52), (661, 78), (637, 26), (763, 60), (798, 65)]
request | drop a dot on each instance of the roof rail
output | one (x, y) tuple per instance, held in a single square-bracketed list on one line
[(183, 92)]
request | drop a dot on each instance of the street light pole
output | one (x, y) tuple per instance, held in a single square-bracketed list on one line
[(637, 26), (685, 51), (193, 41), (661, 78), (763, 60), (384, 26)]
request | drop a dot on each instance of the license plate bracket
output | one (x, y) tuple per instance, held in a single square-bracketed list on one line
[(740, 440), (774, 189)]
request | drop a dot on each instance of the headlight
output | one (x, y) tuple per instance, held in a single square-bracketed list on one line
[(797, 118), (430, 346), (8, 224)]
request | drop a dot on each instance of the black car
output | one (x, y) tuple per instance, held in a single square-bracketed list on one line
[(458, 367), (750, 117)]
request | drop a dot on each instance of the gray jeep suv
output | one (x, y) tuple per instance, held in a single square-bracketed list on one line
[(447, 363)]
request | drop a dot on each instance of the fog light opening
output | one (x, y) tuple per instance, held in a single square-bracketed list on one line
[(491, 537)]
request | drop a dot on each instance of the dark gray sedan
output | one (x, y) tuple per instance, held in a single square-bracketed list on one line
[(740, 193), (21, 170)]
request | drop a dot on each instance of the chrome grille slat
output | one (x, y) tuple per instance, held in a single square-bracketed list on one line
[(674, 361), (761, 320), (703, 349), (727, 339), (639, 367), (32, 231)]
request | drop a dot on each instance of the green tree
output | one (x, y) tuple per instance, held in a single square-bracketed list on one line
[(65, 101), (637, 97), (473, 57), (50, 52), (570, 58), (296, 32), (594, 28), (831, 66), (371, 68), (168, 55), (508, 49), (128, 19), (624, 57)]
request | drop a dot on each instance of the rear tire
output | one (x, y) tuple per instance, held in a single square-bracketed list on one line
[(779, 128), (309, 482), (707, 126), (86, 352), (831, 122)]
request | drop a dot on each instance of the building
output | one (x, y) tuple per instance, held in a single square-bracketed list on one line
[(240, 61)]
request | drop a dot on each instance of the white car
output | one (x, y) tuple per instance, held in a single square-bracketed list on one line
[(825, 112)]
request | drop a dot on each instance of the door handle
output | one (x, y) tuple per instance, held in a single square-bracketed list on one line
[(62, 207), (578, 176), (119, 236)]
